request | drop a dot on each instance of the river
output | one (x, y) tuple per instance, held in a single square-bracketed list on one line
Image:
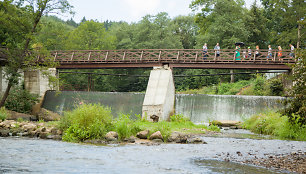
[(24, 155)]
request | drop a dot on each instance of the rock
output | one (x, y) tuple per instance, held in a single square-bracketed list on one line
[(143, 134), (156, 135), (155, 118), (158, 141), (111, 136), (177, 137), (36, 108), (43, 135), (29, 127), (47, 115), (130, 140), (15, 116), (225, 123), (33, 134), (56, 131), (8, 124), (196, 140), (233, 127), (4, 132)]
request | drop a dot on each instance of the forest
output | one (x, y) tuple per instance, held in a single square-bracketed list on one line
[(274, 22)]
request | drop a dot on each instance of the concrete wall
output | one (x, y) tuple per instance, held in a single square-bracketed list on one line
[(4, 82), (37, 83), (160, 94)]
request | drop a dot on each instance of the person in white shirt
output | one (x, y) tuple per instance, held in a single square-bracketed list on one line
[(217, 49), (269, 52), (205, 51), (292, 51)]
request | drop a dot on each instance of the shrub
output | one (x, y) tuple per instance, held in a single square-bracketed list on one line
[(21, 100), (276, 87), (87, 121), (125, 127), (179, 118), (272, 123), (3, 114), (259, 85)]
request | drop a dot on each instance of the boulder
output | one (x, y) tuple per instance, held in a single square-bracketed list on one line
[(8, 124), (47, 115), (16, 115), (156, 135), (132, 139), (43, 135), (4, 132), (56, 131), (196, 140), (29, 127), (177, 137), (143, 134), (111, 136), (225, 123)]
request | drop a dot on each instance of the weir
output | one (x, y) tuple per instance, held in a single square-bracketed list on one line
[(158, 103)]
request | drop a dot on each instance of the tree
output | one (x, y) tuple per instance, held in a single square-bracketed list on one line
[(90, 35), (256, 25), (286, 21), (186, 29), (296, 105), (23, 17), (220, 22)]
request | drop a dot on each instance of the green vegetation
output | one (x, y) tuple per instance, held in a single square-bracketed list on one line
[(21, 101), (272, 123), (93, 121), (87, 121), (3, 113), (258, 86)]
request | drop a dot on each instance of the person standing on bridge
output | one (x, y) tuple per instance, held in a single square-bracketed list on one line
[(292, 51), (257, 53), (249, 52), (205, 51), (280, 53), (269, 52), (217, 50), (237, 55)]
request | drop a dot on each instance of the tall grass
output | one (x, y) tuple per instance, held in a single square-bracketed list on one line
[(272, 123), (87, 121), (3, 113)]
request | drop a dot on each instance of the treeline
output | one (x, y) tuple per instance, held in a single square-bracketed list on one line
[(276, 22)]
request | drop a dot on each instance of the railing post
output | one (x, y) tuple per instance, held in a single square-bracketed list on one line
[(254, 58), (274, 58), (215, 56), (178, 55), (196, 58), (235, 57)]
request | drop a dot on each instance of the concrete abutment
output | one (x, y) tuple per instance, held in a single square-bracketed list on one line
[(159, 99)]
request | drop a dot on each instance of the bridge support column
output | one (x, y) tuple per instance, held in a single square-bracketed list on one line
[(36, 82), (158, 103)]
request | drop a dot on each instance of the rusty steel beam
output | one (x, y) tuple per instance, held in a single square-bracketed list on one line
[(108, 65)]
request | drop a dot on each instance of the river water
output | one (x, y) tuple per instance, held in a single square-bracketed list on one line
[(199, 108), (23, 155)]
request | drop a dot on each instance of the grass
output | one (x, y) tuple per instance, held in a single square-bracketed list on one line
[(272, 123), (89, 121), (3, 113)]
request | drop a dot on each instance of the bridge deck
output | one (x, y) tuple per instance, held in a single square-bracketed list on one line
[(177, 58)]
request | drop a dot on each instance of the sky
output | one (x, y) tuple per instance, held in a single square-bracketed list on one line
[(128, 10)]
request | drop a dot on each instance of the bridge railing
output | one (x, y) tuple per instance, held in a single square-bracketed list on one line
[(170, 56)]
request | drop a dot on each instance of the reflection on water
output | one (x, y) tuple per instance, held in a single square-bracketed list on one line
[(199, 108)]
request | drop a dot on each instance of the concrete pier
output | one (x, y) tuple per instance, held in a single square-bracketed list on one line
[(36, 82), (158, 103)]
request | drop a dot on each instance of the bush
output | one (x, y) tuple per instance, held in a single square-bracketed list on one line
[(272, 123), (259, 85), (87, 121), (276, 87), (3, 114), (20, 100), (125, 127), (179, 118)]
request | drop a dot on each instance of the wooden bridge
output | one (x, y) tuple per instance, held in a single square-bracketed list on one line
[(175, 58)]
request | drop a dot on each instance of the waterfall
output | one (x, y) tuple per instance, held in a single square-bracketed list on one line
[(198, 107)]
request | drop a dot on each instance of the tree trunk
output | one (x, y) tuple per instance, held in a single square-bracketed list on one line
[(6, 93)]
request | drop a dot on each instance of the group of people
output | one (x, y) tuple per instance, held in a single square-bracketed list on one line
[(257, 52)]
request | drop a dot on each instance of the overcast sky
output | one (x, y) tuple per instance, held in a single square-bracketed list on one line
[(128, 10)]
